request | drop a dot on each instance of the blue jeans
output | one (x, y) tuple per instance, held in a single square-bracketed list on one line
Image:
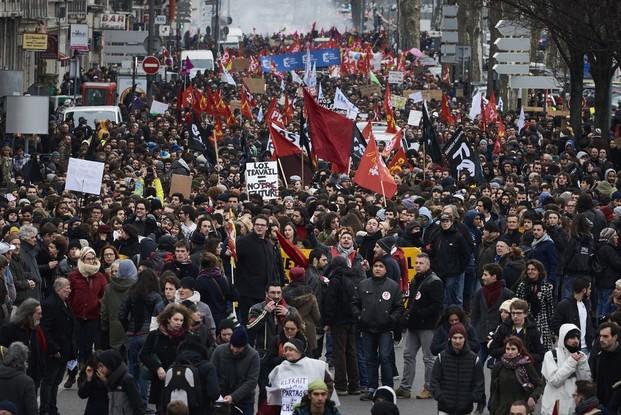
[(134, 345), (603, 301), (362, 362), (454, 290), (567, 287), (377, 347)]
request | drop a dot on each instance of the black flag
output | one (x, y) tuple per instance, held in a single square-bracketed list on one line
[(430, 140), (199, 140), (359, 144), (304, 142), (462, 158)]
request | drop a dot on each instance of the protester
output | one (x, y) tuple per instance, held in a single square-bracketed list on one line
[(316, 401), (603, 366), (15, 385)]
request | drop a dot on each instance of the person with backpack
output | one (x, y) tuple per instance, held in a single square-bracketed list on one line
[(457, 380), (123, 395), (610, 262), (213, 287), (562, 367), (192, 379)]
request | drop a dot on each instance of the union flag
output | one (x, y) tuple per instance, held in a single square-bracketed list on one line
[(372, 173)]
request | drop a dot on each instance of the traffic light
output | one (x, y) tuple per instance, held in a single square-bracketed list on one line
[(224, 26)]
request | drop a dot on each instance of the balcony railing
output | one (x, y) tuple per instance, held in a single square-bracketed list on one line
[(11, 8)]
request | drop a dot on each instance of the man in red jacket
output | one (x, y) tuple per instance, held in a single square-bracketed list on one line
[(87, 289)]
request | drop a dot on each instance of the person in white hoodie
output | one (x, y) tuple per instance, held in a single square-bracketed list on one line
[(562, 366)]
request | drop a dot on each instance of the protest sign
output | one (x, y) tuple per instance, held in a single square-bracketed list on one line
[(255, 85), (180, 184), (395, 77), (416, 96), (292, 391), (414, 118), (369, 90), (240, 64), (158, 107), (435, 94), (262, 179), (84, 176), (398, 102)]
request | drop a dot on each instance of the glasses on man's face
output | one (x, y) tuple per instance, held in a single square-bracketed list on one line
[(260, 224)]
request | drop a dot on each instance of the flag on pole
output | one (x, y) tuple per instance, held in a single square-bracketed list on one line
[(292, 251), (296, 78), (374, 79), (521, 122), (260, 114), (475, 106), (372, 173), (430, 139), (287, 113), (391, 123), (445, 113)]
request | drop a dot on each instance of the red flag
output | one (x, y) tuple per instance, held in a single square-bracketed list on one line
[(556, 410), (394, 144), (491, 116), (287, 114), (500, 136), (273, 114), (372, 173), (398, 160), (246, 102), (332, 134), (255, 66), (220, 108), (292, 251), (445, 112), (391, 124), (367, 130), (218, 132), (230, 117), (282, 146), (187, 97)]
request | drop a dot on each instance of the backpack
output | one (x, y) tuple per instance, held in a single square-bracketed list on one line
[(183, 383), (580, 258), (160, 259)]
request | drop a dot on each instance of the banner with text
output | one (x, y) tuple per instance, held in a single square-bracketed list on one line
[(262, 179), (322, 58)]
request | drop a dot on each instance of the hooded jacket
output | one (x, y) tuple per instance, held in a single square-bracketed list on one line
[(561, 373), (544, 250), (115, 294), (123, 395), (301, 297), (203, 309), (19, 388)]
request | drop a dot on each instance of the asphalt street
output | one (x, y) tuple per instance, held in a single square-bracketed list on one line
[(71, 404)]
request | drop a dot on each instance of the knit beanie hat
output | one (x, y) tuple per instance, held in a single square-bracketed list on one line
[(387, 243), (111, 359), (457, 328), (384, 408), (128, 270), (188, 283), (296, 274), (317, 385), (239, 338), (85, 251), (294, 344), (506, 305), (8, 406)]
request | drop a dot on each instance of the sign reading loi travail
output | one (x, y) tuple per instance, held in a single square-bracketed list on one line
[(262, 179)]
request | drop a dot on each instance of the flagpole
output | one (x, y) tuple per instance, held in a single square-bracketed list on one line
[(424, 160), (302, 162), (284, 176), (217, 156), (383, 191)]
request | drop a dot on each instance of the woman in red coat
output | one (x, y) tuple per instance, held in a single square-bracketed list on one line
[(87, 289)]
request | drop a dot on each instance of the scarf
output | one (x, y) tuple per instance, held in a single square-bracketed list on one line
[(544, 238), (88, 270), (518, 365), (345, 252), (175, 335), (492, 292), (41, 340), (280, 319), (587, 405)]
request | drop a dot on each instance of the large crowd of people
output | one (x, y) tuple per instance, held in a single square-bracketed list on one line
[(151, 300)]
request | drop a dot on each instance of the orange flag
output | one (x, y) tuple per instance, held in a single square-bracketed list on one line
[(398, 160), (391, 123), (372, 173), (445, 112), (287, 113)]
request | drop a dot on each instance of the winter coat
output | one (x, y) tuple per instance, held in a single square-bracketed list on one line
[(425, 304), (192, 353), (577, 258), (544, 251), (339, 297), (159, 350), (238, 375), (529, 335), (20, 279), (215, 291), (14, 332), (487, 253), (512, 268), (265, 326), (301, 297), (59, 326), (561, 371), (486, 318), (182, 270), (367, 243), (135, 313), (256, 265), (123, 395), (457, 381), (605, 370), (450, 253), (505, 388), (97, 394), (566, 311), (86, 294), (28, 257), (610, 261), (19, 388), (115, 294), (203, 309), (304, 408), (441, 340), (377, 305), (545, 303)]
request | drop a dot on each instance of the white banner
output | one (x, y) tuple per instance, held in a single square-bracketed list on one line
[(84, 176), (395, 77), (262, 179), (158, 107), (341, 102), (416, 96)]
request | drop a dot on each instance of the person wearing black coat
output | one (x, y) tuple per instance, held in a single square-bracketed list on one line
[(123, 395), (453, 315), (521, 326), (610, 261), (256, 264), (420, 318), (93, 389), (457, 380), (192, 352), (568, 311), (214, 288), (367, 242), (58, 324)]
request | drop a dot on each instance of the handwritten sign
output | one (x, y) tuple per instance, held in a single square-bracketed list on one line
[(262, 179), (84, 176), (292, 390), (395, 77)]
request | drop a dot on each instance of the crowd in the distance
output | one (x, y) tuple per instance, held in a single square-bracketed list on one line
[(145, 297)]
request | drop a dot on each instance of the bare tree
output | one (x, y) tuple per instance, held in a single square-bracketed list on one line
[(409, 24)]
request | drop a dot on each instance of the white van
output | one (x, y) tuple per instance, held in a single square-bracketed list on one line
[(201, 60), (94, 113), (233, 39)]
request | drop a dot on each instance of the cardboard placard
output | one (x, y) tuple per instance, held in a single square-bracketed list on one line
[(255, 85), (435, 94), (533, 109), (369, 90), (235, 104), (84, 176), (558, 113), (240, 64), (398, 102), (414, 118), (459, 92), (262, 179), (395, 77), (181, 184)]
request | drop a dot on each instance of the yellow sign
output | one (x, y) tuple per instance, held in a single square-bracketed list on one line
[(34, 41), (410, 258)]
